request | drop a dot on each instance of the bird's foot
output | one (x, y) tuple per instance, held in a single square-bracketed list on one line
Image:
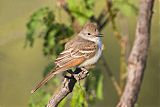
[(82, 74)]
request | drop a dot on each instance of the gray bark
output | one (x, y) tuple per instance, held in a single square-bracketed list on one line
[(138, 56)]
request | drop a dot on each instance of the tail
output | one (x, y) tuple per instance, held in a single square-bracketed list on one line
[(41, 83)]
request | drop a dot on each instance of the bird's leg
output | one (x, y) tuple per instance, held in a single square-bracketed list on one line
[(70, 71), (80, 73), (85, 72)]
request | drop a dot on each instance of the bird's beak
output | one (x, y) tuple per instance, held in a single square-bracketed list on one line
[(100, 35)]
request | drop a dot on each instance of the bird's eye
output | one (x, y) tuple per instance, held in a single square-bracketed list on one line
[(89, 34)]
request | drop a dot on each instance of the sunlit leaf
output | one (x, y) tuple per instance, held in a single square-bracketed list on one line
[(99, 91), (79, 98), (62, 103), (82, 12), (125, 7), (36, 99), (38, 24)]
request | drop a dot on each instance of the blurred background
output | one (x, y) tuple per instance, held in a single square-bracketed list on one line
[(21, 68)]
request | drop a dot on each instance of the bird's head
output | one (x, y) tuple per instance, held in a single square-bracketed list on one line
[(90, 32)]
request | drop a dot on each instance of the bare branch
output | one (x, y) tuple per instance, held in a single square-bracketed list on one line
[(138, 57), (67, 86)]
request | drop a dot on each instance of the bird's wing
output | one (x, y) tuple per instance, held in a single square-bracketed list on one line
[(66, 60), (65, 67), (80, 50), (70, 57)]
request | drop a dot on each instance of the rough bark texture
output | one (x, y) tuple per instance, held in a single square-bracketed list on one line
[(67, 86), (138, 56)]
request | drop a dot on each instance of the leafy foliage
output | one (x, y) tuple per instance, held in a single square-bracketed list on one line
[(43, 25), (38, 23), (37, 101), (125, 7), (94, 85), (92, 90), (79, 98), (82, 10)]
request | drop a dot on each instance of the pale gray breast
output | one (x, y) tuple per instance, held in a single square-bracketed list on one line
[(94, 58)]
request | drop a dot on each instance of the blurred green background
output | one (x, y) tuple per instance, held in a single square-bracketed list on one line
[(21, 68)]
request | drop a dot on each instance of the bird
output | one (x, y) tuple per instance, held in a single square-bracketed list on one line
[(83, 50)]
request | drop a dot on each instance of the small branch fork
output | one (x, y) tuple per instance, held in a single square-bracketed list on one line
[(67, 86)]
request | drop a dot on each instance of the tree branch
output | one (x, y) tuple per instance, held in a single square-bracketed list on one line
[(138, 57), (67, 86)]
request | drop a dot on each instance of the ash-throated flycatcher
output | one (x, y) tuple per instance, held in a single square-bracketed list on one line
[(83, 50)]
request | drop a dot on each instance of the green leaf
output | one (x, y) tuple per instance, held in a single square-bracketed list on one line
[(38, 23), (78, 97), (94, 86), (54, 34), (126, 7), (81, 12), (36, 99), (62, 103), (99, 91), (48, 68)]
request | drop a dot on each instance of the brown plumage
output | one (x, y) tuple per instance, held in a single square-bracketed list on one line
[(77, 52)]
